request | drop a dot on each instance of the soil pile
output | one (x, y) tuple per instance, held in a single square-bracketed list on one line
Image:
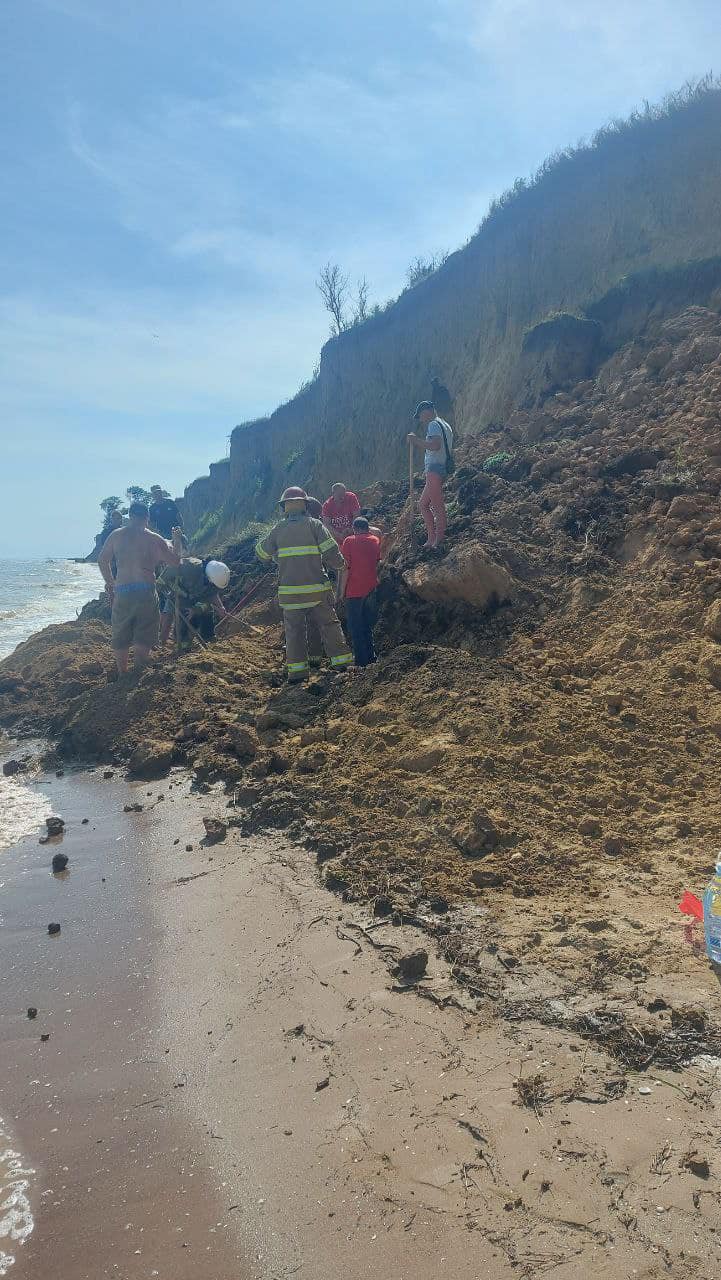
[(539, 743)]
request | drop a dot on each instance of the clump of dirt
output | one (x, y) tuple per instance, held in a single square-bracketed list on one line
[(548, 760)]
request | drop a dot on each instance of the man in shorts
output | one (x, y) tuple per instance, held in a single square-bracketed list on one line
[(135, 614)]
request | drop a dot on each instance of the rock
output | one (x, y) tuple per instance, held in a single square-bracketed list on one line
[(322, 1084), (696, 1164), (188, 848), (413, 965), (53, 929), (245, 744), (421, 761), (32, 1012), (43, 839), (268, 720), (689, 1016), (712, 621), (85, 822), (682, 508), (310, 760), (45, 1037), (11, 767), (465, 573), (108, 773), (151, 758), (486, 879), (589, 826), (478, 836), (613, 846), (60, 861), (215, 830), (55, 826)]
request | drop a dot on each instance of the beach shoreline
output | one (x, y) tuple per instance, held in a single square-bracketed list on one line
[(237, 1084)]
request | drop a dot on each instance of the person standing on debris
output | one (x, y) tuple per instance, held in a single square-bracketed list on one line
[(135, 614), (361, 552), (339, 511), (437, 464), (163, 513), (303, 550)]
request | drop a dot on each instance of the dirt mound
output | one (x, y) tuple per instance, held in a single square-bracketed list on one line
[(549, 749)]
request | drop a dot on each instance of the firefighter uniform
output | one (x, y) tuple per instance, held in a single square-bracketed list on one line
[(302, 547)]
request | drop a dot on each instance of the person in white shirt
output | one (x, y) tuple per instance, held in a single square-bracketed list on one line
[(438, 453)]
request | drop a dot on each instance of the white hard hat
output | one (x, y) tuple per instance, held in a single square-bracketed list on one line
[(217, 573)]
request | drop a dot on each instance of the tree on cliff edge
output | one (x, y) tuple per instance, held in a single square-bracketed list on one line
[(333, 287)]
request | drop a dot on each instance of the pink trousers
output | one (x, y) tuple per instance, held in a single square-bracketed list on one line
[(433, 508)]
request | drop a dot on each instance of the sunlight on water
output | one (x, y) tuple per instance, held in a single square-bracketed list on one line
[(16, 1220)]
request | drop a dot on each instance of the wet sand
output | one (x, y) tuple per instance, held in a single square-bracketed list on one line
[(236, 1088), (120, 1185)]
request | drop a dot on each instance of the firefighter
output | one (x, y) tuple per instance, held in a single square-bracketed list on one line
[(303, 548)]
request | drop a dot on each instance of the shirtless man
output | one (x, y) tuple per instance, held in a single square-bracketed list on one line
[(135, 616)]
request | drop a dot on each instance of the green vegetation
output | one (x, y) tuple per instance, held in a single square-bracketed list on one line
[(207, 527), (292, 458), (496, 462)]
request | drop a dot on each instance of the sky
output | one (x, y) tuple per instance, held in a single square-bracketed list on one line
[(178, 171)]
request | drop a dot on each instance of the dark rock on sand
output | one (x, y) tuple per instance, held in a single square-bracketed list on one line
[(151, 758), (413, 965), (12, 767), (60, 861), (53, 929), (32, 1012), (215, 830), (55, 826)]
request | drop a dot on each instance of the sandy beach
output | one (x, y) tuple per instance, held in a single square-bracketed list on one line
[(237, 1085)]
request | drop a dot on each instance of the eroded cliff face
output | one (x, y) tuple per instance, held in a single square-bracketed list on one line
[(641, 203)]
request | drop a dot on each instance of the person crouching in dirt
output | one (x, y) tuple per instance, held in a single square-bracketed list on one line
[(135, 617), (437, 464), (198, 584), (304, 550), (361, 552)]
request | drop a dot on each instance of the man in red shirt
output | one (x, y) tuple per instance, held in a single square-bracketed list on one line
[(361, 552), (339, 512)]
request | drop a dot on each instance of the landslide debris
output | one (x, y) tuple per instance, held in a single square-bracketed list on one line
[(539, 744)]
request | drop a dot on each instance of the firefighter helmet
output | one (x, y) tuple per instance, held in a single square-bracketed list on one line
[(294, 493)]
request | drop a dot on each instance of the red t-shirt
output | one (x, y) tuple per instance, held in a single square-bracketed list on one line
[(339, 516), (361, 552)]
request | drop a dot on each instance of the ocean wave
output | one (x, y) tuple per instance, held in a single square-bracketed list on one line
[(8, 613), (16, 1219)]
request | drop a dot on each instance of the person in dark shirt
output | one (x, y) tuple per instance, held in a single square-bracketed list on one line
[(163, 513)]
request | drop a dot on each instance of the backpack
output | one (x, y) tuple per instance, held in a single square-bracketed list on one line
[(450, 460)]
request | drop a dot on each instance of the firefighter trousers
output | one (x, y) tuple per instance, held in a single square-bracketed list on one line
[(296, 622)]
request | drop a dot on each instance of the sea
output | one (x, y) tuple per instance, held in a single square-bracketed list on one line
[(34, 593)]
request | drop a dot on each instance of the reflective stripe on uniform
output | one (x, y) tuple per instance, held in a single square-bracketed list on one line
[(297, 666), (304, 590), (326, 546), (261, 554), (307, 604), (342, 660), (298, 551)]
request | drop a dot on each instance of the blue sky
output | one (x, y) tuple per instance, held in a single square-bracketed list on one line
[(176, 172)]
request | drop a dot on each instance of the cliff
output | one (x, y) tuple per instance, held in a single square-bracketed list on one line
[(641, 199)]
